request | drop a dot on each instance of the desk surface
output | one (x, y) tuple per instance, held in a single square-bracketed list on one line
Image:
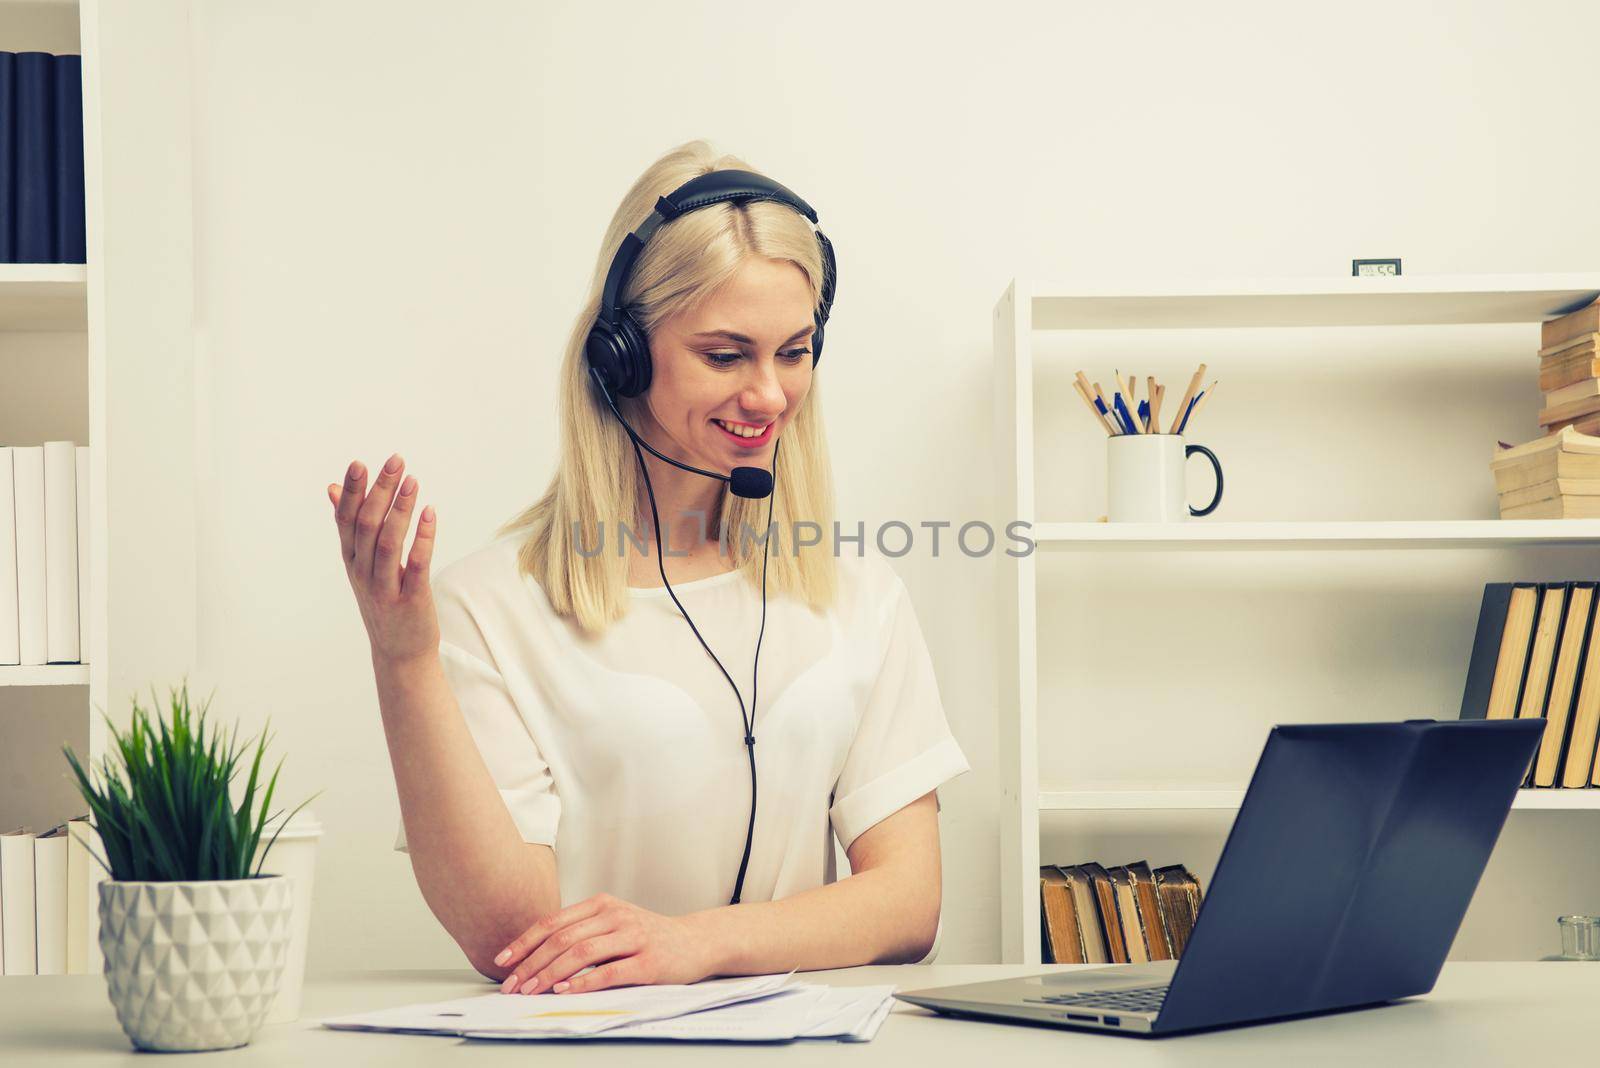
[(1478, 1014)]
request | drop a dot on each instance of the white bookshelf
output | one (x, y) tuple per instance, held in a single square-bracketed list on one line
[(1028, 307)]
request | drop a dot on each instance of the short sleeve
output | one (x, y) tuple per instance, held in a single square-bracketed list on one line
[(902, 747), (509, 750)]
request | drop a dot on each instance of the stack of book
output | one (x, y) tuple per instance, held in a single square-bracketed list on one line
[(41, 158), (44, 553), (1536, 655), (1569, 371), (1557, 476), (1553, 477), (1090, 914), (45, 906)]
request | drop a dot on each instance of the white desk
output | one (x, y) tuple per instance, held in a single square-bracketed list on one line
[(1478, 1014)]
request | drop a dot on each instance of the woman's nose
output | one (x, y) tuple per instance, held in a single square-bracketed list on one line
[(763, 393)]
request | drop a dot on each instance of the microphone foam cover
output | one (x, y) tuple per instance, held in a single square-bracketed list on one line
[(753, 482)]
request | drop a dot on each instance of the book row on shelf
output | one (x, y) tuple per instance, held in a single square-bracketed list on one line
[(1091, 914), (44, 553), (46, 883), (1557, 476), (1536, 655), (41, 158)]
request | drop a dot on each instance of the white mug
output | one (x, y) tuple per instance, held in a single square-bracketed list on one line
[(1145, 479)]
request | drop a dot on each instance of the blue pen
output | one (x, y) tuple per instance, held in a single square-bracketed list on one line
[(1144, 413), (1122, 411), (1189, 409)]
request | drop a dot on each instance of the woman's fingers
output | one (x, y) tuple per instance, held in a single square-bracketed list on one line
[(370, 516), (583, 953), (529, 940), (563, 941), (346, 507), (416, 576), (392, 540)]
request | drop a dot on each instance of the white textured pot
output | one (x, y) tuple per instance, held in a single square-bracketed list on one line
[(193, 966)]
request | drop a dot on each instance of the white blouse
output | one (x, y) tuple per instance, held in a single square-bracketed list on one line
[(625, 752)]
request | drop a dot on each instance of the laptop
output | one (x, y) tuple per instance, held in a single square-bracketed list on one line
[(1342, 884)]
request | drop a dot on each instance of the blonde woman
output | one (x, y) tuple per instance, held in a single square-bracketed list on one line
[(577, 766)]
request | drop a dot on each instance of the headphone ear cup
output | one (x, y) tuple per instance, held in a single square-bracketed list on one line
[(602, 351), (816, 343), (635, 357)]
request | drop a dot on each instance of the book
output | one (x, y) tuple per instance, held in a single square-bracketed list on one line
[(1564, 371), (16, 904), (1059, 917), (81, 484), (66, 87), (1105, 895), (61, 552), (1579, 758), (10, 651), (1127, 897), (80, 868), (1091, 929), (1550, 490), (1567, 441), (1563, 685), (1555, 508), (1536, 685), (28, 482), (1589, 387), (1151, 916), (8, 159), (1552, 466), (50, 901), (1585, 320), (1577, 342), (1500, 650), (34, 128), (1180, 901), (1571, 411)]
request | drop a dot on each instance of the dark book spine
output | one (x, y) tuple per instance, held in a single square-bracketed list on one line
[(36, 223), (8, 157), (1486, 649), (68, 103)]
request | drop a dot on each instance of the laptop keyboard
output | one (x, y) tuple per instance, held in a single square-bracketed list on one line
[(1135, 999)]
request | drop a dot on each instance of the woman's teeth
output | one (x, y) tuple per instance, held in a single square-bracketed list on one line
[(742, 431)]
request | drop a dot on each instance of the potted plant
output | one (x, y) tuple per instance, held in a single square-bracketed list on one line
[(194, 940)]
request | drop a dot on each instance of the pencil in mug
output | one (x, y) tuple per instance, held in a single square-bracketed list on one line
[(1082, 382), (1188, 398), (1098, 418)]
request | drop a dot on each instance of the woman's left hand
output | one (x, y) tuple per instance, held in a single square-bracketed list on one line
[(630, 946)]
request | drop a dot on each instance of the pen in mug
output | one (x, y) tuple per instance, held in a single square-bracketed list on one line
[(1200, 401)]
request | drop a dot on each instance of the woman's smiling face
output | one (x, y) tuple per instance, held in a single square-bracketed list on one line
[(728, 376)]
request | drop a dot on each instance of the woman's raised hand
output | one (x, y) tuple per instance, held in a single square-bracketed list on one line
[(393, 592)]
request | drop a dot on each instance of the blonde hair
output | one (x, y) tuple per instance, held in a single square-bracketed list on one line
[(597, 484)]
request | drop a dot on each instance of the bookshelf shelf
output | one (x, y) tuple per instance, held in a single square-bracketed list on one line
[(1406, 534), (1027, 308), (1420, 300), (43, 296), (45, 675), (1159, 799)]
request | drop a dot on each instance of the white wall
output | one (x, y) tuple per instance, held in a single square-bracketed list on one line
[(396, 211)]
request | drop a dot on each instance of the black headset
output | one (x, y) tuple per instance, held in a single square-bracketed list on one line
[(618, 355), (617, 348)]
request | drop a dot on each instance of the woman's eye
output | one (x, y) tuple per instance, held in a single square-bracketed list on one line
[(725, 359)]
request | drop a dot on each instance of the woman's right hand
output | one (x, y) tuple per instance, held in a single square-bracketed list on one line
[(395, 598)]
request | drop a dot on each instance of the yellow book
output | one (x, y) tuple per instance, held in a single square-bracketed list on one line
[(1568, 659)]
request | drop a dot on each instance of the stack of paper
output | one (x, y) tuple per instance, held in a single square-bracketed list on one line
[(768, 1008)]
